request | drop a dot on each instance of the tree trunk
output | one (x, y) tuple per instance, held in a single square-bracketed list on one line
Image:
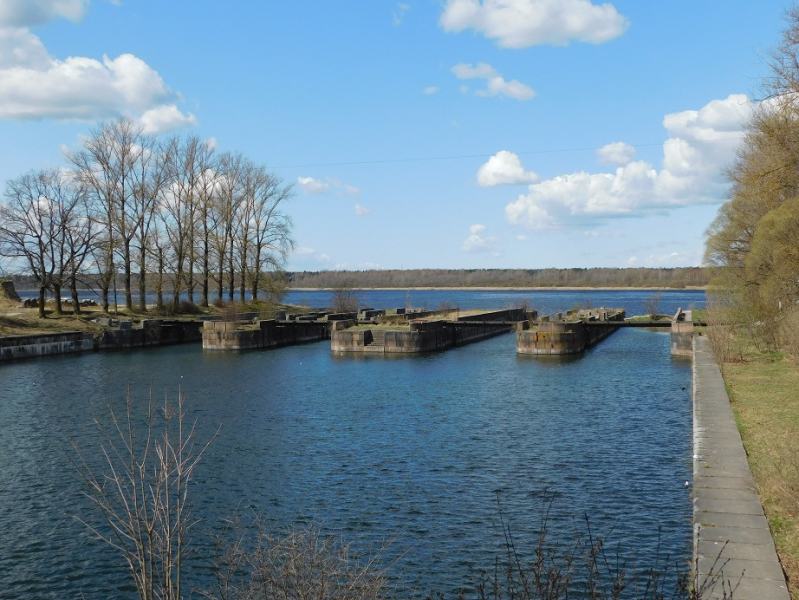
[(128, 278), (73, 288), (41, 300), (57, 294), (160, 289), (142, 283)]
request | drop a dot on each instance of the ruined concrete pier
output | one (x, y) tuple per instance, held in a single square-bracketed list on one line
[(568, 334)]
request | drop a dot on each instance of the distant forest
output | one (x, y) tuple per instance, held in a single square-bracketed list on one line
[(456, 278), (523, 278)]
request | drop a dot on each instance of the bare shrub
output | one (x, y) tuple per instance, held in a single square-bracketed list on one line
[(652, 305), (583, 567), (142, 490), (302, 563), (344, 300)]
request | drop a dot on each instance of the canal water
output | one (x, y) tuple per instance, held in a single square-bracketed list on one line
[(419, 452)]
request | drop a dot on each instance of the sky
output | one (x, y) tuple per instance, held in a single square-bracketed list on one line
[(424, 133)]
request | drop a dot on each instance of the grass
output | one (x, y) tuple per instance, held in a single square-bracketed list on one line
[(764, 393)]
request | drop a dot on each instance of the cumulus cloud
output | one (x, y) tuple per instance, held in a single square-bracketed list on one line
[(617, 153), (362, 211), (504, 168), (29, 13), (525, 23), (310, 253), (310, 185), (496, 85), (166, 117), (35, 86), (701, 142), (477, 242), (429, 90)]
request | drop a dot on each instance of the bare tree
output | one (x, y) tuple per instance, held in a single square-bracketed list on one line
[(105, 166), (142, 491), (270, 228), (41, 225)]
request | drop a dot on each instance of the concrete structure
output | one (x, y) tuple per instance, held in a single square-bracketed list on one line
[(733, 547), (32, 346), (8, 291), (221, 335), (151, 332), (569, 335), (120, 335), (425, 336), (682, 333)]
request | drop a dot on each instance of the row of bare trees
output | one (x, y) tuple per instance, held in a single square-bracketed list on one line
[(172, 216)]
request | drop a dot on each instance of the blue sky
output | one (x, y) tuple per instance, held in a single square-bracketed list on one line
[(424, 133)]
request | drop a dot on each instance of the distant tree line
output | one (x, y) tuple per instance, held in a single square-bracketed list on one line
[(166, 215), (524, 278)]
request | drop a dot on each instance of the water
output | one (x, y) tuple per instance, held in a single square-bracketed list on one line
[(414, 450)]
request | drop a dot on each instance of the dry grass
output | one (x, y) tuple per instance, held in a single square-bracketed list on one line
[(765, 399), (26, 321)]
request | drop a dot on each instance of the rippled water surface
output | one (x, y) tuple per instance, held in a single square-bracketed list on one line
[(415, 450)]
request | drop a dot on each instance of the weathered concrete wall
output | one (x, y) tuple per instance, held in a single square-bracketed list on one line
[(682, 335), (566, 337), (8, 291), (220, 335), (421, 336), (31, 346), (152, 332)]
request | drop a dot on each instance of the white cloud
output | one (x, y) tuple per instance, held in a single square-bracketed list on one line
[(310, 185), (35, 86), (399, 13), (632, 261), (430, 90), (29, 13), (700, 144), (504, 168), (362, 211), (524, 23), (496, 85), (211, 143), (477, 242), (617, 153), (306, 252), (166, 117)]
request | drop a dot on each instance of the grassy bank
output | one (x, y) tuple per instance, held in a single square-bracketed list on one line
[(764, 392)]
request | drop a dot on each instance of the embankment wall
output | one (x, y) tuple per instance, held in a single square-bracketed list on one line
[(422, 336), (266, 334), (31, 346)]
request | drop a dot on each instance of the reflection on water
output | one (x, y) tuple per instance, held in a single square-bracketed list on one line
[(415, 451)]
